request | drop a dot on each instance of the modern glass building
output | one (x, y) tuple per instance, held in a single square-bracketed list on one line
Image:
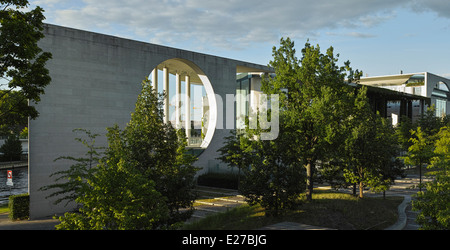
[(424, 84)]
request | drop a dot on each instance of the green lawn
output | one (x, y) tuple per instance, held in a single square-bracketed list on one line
[(328, 209), (4, 209)]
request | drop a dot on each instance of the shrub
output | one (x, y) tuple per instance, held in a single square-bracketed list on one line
[(19, 207), (219, 180)]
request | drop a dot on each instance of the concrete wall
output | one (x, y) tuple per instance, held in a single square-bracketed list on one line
[(96, 79)]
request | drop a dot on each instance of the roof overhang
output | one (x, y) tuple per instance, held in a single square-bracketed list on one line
[(392, 95), (391, 80)]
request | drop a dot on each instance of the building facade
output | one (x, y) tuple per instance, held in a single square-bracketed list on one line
[(427, 88), (96, 80)]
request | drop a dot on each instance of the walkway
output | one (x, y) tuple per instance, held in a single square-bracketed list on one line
[(12, 165), (41, 224)]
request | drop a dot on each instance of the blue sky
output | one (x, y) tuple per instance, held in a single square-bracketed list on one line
[(379, 37)]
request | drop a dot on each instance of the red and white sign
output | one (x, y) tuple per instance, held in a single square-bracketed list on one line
[(9, 181)]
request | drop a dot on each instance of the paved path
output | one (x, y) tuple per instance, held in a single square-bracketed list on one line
[(217, 200), (41, 224)]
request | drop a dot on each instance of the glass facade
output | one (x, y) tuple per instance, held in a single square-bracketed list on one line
[(441, 93), (441, 107)]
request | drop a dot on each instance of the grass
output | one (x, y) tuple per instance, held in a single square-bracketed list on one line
[(328, 209), (4, 209)]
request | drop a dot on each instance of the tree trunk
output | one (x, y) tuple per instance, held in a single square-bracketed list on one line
[(361, 190), (309, 180), (420, 176)]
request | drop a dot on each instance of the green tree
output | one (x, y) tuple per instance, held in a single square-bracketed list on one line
[(233, 152), (433, 205), (119, 197), (11, 149), (370, 147), (314, 97), (159, 152), (403, 133), (15, 109), (146, 178), (22, 62), (271, 175), (420, 152), (429, 123)]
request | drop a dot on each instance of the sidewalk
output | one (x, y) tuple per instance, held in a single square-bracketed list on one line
[(41, 224)]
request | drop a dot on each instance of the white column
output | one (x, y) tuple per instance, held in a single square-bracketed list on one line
[(155, 79), (187, 106), (178, 101), (166, 94)]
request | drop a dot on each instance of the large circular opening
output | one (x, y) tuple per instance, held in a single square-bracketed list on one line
[(190, 102)]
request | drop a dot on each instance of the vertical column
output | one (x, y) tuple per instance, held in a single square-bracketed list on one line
[(166, 94), (178, 101), (187, 106), (155, 79)]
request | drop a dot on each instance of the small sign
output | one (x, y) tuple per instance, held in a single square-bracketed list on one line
[(9, 181)]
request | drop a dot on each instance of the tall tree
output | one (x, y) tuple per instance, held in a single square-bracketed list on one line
[(234, 153), (22, 62), (11, 149), (119, 196), (272, 176), (159, 152), (420, 152), (314, 96), (370, 147), (433, 205), (145, 179)]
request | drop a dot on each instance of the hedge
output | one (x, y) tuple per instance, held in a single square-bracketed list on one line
[(220, 180), (19, 207)]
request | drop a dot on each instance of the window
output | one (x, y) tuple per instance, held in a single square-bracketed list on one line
[(242, 101), (442, 86), (441, 107)]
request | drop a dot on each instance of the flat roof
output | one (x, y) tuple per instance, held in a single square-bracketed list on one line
[(388, 80)]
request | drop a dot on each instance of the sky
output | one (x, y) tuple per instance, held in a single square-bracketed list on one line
[(379, 37)]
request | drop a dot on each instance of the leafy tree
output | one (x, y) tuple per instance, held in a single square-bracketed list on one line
[(15, 109), (370, 148), (159, 152), (429, 123), (314, 96), (420, 152), (403, 133), (119, 197), (146, 178), (233, 153), (22, 62), (433, 205), (11, 149), (271, 175)]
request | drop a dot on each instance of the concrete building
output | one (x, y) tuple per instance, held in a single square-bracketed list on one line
[(96, 79), (424, 89)]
